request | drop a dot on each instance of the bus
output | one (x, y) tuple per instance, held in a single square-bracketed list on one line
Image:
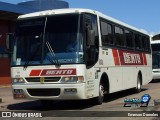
[(108, 56), (155, 44)]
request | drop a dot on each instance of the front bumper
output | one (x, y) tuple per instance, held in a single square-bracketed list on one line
[(50, 91), (156, 75)]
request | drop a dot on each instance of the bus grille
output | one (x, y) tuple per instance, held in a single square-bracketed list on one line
[(44, 92), (46, 79)]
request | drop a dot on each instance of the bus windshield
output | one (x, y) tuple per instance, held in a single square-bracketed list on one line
[(49, 40), (156, 56)]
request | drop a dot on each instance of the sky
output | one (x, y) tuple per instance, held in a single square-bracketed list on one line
[(142, 14)]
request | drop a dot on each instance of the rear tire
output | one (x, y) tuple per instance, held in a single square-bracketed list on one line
[(99, 100), (139, 84)]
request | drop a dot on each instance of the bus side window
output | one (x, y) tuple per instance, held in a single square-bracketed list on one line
[(145, 43), (119, 38), (91, 23), (138, 42), (129, 39), (106, 33)]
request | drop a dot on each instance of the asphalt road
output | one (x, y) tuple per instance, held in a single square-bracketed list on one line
[(112, 105)]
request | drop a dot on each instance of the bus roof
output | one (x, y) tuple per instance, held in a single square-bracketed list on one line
[(79, 10), (155, 41)]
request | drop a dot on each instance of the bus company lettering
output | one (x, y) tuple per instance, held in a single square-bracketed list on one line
[(57, 72), (49, 72), (132, 58)]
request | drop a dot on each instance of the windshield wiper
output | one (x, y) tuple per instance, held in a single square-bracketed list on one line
[(32, 57), (54, 58)]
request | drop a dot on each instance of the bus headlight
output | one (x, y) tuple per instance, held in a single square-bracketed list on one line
[(17, 80), (73, 79)]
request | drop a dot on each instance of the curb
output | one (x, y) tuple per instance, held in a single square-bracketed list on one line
[(5, 86)]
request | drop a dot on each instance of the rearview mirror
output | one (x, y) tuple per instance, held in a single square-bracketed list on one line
[(90, 37), (9, 37)]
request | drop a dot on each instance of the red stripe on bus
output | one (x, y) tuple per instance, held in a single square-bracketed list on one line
[(116, 58), (35, 73), (144, 59)]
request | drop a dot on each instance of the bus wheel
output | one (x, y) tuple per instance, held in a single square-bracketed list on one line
[(139, 84), (99, 100), (47, 103)]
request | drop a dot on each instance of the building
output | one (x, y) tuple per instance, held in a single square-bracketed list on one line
[(8, 15)]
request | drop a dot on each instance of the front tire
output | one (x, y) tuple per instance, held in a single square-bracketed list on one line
[(99, 100)]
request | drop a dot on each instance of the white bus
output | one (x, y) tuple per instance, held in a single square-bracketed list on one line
[(107, 56), (156, 59)]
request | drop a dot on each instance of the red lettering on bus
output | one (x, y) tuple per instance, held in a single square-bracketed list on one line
[(50, 72), (128, 58)]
